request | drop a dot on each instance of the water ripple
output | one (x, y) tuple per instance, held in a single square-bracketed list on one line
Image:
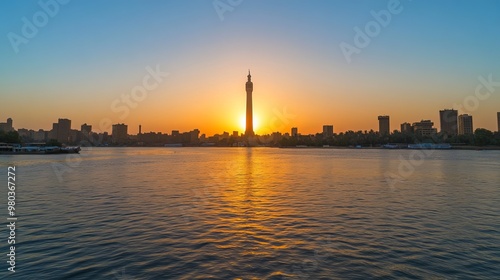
[(190, 213)]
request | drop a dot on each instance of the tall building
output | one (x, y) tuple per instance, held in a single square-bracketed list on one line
[(424, 128), (194, 135), (119, 133), (61, 131), (40, 136), (383, 125), (498, 121), (406, 127), (26, 134), (448, 119), (465, 124), (7, 126), (327, 130), (249, 121), (295, 132), (53, 132), (85, 129)]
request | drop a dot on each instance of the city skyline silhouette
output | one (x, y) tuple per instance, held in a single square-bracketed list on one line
[(449, 119)]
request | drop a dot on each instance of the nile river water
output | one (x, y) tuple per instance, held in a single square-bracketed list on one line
[(255, 213)]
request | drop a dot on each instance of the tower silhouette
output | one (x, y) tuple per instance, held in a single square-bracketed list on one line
[(249, 89)]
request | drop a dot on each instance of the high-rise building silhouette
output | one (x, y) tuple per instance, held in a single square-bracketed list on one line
[(53, 131), (465, 124), (194, 136), (295, 132), (406, 127), (448, 119), (62, 130), (40, 135), (424, 128), (85, 129), (327, 130), (383, 125), (498, 121), (7, 126), (119, 133), (249, 121)]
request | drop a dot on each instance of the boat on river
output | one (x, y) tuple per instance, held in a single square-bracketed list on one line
[(430, 146), (35, 149)]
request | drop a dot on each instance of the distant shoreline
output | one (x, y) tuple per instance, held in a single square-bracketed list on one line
[(471, 148), (493, 148)]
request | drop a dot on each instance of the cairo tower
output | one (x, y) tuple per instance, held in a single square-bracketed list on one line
[(249, 124)]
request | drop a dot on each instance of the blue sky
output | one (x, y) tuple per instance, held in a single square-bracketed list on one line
[(89, 53)]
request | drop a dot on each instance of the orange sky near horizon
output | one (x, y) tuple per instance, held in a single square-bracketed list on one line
[(215, 102)]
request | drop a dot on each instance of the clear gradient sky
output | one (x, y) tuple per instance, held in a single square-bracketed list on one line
[(90, 53)]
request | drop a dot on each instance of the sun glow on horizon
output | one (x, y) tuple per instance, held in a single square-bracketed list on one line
[(242, 123)]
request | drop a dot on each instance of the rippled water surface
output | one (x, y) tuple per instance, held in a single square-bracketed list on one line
[(261, 213)]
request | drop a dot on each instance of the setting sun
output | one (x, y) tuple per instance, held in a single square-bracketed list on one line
[(242, 123)]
